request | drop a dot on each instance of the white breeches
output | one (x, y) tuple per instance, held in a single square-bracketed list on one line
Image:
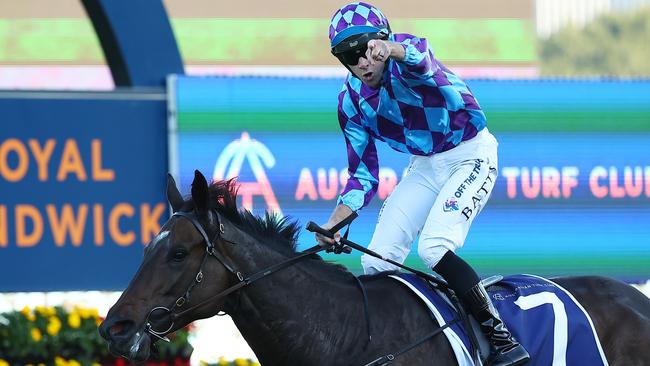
[(438, 198)]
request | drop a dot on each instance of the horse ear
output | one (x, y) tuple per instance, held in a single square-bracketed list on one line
[(173, 195), (200, 193)]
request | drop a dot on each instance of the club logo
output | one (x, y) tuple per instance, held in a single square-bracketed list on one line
[(451, 205), (259, 157)]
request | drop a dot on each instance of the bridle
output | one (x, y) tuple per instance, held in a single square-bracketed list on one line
[(211, 250), (163, 312)]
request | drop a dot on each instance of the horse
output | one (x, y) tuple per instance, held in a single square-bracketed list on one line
[(307, 311)]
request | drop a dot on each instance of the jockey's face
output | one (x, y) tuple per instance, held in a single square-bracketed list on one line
[(369, 71)]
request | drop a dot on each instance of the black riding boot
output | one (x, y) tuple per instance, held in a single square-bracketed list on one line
[(506, 351)]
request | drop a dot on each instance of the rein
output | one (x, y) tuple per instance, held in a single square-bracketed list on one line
[(211, 251), (343, 245)]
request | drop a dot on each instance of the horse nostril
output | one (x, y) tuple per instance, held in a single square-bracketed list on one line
[(120, 329)]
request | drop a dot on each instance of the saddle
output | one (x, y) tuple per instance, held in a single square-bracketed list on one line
[(467, 340), (544, 317)]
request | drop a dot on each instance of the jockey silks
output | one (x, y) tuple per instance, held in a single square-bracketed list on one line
[(420, 108)]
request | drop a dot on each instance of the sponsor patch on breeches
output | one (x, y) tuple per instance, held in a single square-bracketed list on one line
[(480, 189)]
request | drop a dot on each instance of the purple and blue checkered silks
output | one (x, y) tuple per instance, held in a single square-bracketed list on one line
[(421, 108), (356, 18)]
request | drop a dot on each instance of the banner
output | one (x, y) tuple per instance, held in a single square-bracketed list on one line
[(573, 202), (82, 178)]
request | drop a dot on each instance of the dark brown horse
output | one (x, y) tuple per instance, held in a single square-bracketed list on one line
[(309, 313)]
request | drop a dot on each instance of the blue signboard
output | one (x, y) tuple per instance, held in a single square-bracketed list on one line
[(586, 208), (573, 202), (82, 177)]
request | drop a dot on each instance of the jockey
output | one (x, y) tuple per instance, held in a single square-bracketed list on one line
[(398, 93)]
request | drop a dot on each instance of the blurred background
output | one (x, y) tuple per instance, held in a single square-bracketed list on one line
[(100, 99)]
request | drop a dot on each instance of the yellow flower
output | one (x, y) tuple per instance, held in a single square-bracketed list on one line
[(88, 313), (27, 312), (83, 313), (241, 362), (222, 361), (73, 363), (74, 320), (53, 326), (36, 334), (4, 363), (45, 311), (59, 361), (96, 364)]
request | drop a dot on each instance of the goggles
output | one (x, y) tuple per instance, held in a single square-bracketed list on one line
[(351, 49)]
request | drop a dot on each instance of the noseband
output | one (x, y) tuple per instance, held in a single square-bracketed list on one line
[(163, 312)]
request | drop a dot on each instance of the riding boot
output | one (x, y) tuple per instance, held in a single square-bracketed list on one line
[(506, 351)]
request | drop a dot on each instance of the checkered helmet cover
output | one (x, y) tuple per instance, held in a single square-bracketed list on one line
[(356, 18)]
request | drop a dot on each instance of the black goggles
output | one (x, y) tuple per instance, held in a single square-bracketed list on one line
[(351, 49)]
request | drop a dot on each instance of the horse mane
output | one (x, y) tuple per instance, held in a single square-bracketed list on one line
[(279, 233), (281, 230)]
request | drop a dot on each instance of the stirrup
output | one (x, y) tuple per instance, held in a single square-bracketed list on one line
[(487, 282)]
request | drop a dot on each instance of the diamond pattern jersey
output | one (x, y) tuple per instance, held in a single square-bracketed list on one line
[(420, 108)]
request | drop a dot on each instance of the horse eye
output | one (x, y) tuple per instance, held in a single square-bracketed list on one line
[(179, 255)]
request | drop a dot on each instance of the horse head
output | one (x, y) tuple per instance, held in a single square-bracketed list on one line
[(177, 277)]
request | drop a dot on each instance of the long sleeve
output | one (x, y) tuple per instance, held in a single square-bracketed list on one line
[(363, 165), (418, 58)]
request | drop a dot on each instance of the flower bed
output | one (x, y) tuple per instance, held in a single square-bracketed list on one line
[(54, 336), (236, 362)]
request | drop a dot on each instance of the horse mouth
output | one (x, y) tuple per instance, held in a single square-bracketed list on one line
[(136, 349)]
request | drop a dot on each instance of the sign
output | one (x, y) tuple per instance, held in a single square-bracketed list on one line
[(82, 178)]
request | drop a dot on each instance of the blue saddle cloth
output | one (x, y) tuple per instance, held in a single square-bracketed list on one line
[(544, 317)]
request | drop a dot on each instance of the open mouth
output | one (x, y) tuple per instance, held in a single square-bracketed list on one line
[(367, 75)]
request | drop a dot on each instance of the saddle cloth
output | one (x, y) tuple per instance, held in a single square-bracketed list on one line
[(544, 317)]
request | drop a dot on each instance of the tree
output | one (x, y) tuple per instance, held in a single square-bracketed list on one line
[(612, 45)]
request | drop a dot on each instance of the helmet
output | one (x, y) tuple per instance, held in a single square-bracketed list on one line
[(355, 19)]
